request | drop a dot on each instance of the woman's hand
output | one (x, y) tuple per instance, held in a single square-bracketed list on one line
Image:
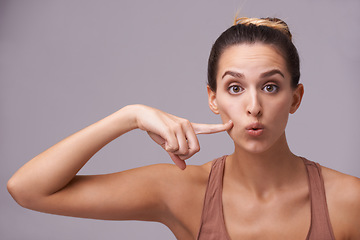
[(175, 135)]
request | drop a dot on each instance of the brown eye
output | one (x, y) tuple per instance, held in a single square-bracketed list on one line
[(234, 89), (271, 88)]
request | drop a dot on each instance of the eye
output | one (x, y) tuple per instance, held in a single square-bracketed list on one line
[(235, 89), (271, 88)]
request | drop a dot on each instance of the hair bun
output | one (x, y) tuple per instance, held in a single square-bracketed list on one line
[(274, 23)]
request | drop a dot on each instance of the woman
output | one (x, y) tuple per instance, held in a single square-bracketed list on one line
[(261, 191)]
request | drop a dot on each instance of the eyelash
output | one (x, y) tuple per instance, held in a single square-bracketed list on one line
[(271, 85), (231, 88)]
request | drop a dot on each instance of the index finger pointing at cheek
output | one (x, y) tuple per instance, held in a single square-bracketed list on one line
[(200, 128)]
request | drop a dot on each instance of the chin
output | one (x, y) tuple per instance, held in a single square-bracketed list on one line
[(253, 146), (256, 148)]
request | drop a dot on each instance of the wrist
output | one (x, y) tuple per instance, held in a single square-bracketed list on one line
[(129, 115)]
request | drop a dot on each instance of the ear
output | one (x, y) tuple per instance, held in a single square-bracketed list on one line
[(212, 100), (297, 97)]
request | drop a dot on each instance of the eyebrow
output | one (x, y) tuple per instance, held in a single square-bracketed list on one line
[(234, 74), (271, 73), (263, 75)]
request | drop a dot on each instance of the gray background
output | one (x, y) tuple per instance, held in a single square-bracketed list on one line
[(66, 64)]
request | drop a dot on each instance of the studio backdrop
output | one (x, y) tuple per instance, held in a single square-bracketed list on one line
[(65, 64)]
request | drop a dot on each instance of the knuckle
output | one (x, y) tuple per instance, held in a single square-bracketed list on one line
[(193, 151), (196, 148), (171, 148), (183, 151), (175, 148), (186, 123)]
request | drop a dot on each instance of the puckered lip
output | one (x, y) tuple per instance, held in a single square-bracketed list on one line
[(254, 126)]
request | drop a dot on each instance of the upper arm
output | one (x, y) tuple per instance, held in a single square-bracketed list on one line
[(136, 194)]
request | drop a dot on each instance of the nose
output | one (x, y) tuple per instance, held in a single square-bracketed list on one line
[(254, 105)]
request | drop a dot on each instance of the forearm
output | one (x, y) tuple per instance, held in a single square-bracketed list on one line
[(53, 169)]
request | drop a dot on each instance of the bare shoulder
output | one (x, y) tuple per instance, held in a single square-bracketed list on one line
[(337, 182), (343, 197), (178, 185), (172, 184), (183, 192), (175, 186)]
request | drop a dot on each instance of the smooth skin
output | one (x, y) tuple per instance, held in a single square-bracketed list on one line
[(265, 193)]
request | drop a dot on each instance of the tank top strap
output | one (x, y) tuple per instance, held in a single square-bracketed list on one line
[(212, 224), (320, 227)]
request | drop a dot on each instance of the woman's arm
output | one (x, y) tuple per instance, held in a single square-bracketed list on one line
[(48, 182), (53, 169)]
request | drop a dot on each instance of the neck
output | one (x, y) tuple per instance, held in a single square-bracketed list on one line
[(264, 172)]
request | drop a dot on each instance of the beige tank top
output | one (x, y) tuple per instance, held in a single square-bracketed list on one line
[(212, 220)]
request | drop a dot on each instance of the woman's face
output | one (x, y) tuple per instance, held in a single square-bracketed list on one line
[(254, 91)]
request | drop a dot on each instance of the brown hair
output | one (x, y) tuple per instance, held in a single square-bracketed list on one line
[(272, 31)]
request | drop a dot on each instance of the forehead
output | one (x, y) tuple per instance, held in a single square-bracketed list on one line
[(251, 59)]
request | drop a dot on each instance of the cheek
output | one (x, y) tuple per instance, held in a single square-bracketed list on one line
[(227, 109), (280, 111), (234, 111)]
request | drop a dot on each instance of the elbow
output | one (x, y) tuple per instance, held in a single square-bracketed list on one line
[(18, 193)]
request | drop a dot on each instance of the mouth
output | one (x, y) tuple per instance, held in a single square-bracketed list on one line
[(255, 129)]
